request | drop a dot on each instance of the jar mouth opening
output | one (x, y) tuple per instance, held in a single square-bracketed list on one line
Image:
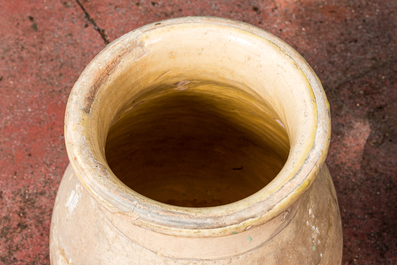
[(204, 143), (226, 71)]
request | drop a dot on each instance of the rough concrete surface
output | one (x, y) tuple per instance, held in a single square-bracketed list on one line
[(351, 45)]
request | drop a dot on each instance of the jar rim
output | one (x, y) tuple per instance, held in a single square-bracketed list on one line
[(254, 210)]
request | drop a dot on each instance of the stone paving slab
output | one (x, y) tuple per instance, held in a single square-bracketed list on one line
[(352, 46)]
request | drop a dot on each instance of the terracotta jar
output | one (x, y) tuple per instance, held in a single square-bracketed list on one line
[(197, 140)]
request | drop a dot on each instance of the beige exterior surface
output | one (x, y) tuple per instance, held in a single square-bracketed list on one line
[(83, 232), (197, 141)]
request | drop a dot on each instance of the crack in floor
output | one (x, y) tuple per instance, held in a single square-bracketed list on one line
[(92, 21)]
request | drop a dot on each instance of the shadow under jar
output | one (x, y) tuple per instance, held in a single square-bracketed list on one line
[(197, 140)]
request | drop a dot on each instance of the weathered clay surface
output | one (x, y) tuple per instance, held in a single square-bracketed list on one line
[(83, 232), (156, 127)]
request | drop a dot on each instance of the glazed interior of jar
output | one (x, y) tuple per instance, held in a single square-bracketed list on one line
[(196, 144), (199, 117)]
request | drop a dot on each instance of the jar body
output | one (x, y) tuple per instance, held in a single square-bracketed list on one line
[(205, 109), (84, 232)]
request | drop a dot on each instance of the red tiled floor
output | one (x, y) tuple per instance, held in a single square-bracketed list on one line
[(352, 45)]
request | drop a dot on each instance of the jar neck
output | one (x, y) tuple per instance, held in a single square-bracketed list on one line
[(276, 91)]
